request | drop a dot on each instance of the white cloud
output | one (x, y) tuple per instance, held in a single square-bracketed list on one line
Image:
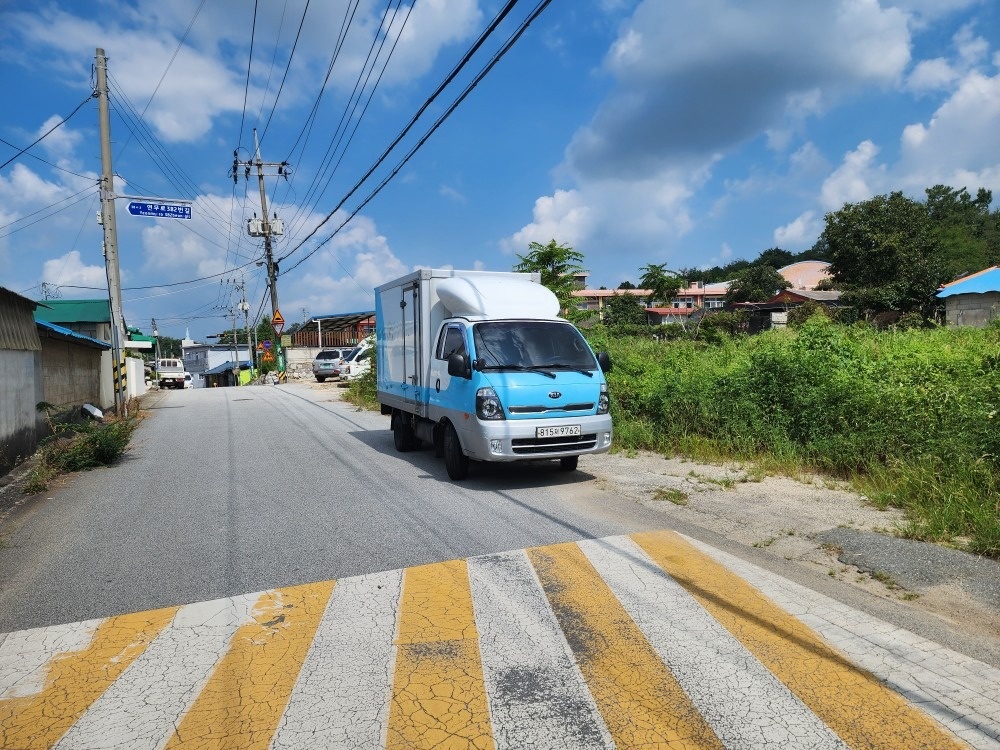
[(23, 187), (931, 75), (960, 142), (563, 216), (695, 78), (70, 269), (453, 194), (62, 141), (858, 178), (800, 233)]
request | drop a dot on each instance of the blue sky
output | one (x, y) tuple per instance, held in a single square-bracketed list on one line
[(690, 132)]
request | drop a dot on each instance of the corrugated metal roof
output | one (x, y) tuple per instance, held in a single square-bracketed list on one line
[(67, 333), (244, 364), (75, 311), (17, 322), (984, 281)]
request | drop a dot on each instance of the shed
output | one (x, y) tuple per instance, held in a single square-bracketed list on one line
[(21, 374), (974, 300)]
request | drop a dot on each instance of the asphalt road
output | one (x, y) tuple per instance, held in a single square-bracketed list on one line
[(227, 491)]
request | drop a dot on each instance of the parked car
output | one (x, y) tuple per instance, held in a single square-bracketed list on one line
[(328, 363), (358, 362), (188, 380)]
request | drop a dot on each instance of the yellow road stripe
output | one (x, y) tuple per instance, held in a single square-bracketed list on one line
[(243, 701), (852, 702), (76, 679), (438, 694), (640, 700)]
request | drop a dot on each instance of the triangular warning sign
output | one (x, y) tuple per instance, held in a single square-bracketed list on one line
[(277, 318)]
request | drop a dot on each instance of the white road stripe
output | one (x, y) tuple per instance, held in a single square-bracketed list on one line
[(537, 696), (743, 703), (913, 666), (25, 655), (341, 699), (140, 709)]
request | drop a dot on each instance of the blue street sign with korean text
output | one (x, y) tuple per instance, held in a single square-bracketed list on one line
[(159, 210)]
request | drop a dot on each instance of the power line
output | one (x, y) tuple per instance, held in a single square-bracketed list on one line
[(43, 218), (468, 89), (497, 20), (47, 132), (43, 161), (246, 89), (291, 55)]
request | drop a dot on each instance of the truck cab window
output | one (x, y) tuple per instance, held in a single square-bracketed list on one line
[(452, 341)]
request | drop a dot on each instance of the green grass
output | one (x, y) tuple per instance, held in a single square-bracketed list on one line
[(909, 418), (77, 446), (671, 495)]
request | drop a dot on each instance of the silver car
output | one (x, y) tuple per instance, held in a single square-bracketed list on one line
[(328, 363)]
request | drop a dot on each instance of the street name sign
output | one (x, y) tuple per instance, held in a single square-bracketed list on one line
[(159, 210)]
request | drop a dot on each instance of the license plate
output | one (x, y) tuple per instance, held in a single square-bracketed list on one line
[(561, 431)]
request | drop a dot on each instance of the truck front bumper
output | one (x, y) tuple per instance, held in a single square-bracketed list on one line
[(520, 440)]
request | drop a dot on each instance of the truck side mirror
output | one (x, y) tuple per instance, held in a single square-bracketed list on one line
[(604, 360), (458, 366)]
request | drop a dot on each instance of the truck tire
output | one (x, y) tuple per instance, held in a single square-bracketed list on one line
[(568, 463), (455, 461), (402, 434)]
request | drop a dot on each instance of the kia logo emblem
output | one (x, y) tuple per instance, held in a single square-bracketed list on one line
[(555, 394)]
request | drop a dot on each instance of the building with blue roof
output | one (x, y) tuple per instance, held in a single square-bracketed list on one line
[(973, 300)]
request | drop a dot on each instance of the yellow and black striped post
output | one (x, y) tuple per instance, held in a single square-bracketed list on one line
[(120, 376)]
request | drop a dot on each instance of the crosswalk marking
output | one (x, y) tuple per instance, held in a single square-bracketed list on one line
[(640, 700), (243, 701), (864, 713), (75, 679), (745, 704), (438, 696), (139, 708), (652, 640), (537, 695), (342, 696)]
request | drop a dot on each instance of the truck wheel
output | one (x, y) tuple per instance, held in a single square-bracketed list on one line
[(402, 434), (455, 461), (568, 463), (319, 379)]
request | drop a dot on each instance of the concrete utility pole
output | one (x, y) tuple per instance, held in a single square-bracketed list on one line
[(110, 232), (265, 227), (245, 309)]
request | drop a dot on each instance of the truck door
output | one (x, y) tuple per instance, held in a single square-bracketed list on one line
[(450, 397)]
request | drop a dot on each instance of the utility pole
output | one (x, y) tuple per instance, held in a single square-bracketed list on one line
[(245, 309), (110, 233), (265, 227), (236, 349)]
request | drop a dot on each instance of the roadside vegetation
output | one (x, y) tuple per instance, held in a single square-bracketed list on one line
[(910, 417), (78, 445)]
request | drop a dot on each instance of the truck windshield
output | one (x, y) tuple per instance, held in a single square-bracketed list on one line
[(542, 345)]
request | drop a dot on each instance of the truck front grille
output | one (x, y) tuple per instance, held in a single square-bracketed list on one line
[(528, 446), (550, 409)]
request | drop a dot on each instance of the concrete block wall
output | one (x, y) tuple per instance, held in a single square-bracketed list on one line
[(972, 309)]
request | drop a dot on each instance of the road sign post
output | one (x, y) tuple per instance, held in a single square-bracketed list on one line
[(278, 324)]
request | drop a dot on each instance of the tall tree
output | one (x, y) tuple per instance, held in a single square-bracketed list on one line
[(755, 283), (557, 264), (885, 255), (661, 282)]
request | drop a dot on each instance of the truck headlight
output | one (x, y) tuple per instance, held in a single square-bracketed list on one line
[(488, 405), (604, 400)]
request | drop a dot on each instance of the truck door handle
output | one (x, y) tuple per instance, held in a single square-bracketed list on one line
[(437, 385)]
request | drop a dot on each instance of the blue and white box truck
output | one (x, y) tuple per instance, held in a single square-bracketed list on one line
[(479, 365)]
